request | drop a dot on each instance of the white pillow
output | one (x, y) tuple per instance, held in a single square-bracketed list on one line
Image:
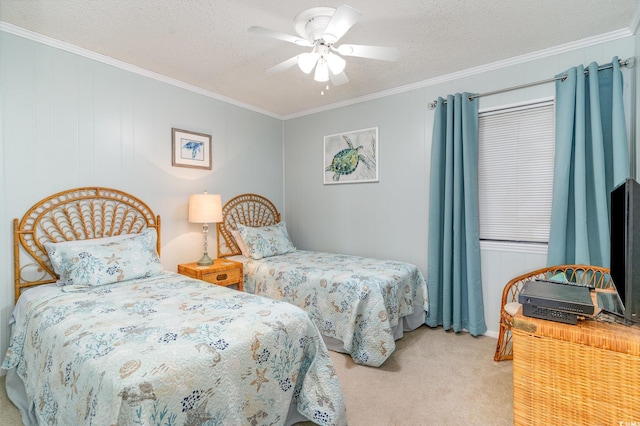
[(240, 242)]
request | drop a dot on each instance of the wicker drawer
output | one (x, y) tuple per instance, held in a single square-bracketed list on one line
[(228, 277)]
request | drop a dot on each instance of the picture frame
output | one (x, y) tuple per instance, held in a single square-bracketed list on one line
[(190, 149), (351, 157)]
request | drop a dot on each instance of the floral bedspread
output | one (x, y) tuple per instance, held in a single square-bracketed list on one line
[(134, 353), (353, 299)]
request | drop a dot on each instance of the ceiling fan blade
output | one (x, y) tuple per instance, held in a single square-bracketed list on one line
[(343, 18), (265, 32), (284, 65), (338, 79), (372, 52)]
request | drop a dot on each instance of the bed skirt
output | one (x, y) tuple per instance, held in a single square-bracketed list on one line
[(408, 323)]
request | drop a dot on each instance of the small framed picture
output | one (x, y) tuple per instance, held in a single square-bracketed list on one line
[(190, 149), (351, 157)]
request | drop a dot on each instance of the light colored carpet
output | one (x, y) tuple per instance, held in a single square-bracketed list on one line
[(9, 415), (433, 378)]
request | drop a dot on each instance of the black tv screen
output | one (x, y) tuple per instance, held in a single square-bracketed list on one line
[(625, 246)]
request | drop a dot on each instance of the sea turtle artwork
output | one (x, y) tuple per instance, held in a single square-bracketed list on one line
[(355, 162), (193, 147)]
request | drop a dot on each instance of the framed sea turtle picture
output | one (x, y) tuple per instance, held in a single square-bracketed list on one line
[(351, 157), (190, 149)]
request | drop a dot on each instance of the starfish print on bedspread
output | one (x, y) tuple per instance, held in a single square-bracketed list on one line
[(113, 259), (260, 379)]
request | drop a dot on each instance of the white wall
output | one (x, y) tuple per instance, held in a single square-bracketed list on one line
[(68, 121), (389, 219)]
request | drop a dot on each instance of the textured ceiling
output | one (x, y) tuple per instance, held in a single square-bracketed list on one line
[(205, 43)]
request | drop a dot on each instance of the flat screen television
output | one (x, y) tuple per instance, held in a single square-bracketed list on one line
[(625, 246)]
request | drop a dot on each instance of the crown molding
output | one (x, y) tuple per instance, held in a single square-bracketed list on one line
[(49, 41), (590, 41)]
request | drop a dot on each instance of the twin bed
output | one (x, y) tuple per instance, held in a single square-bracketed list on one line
[(102, 335), (360, 305)]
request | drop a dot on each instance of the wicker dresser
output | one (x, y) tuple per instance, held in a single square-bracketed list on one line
[(586, 374)]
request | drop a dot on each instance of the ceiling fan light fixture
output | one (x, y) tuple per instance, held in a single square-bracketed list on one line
[(321, 28), (322, 71), (306, 61), (336, 63)]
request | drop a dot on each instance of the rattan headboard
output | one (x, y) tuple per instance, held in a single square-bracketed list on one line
[(246, 209), (75, 214)]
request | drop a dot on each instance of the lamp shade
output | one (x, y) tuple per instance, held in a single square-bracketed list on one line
[(336, 63), (205, 208), (306, 61)]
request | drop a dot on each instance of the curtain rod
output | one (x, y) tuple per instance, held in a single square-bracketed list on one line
[(629, 62)]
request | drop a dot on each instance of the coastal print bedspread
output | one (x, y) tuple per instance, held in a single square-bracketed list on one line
[(354, 299), (131, 353)]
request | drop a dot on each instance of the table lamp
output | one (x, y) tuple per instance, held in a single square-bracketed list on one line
[(205, 209)]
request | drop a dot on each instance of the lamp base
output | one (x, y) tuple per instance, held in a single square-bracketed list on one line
[(205, 261)]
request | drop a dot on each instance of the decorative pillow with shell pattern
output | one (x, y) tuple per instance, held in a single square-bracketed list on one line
[(266, 241), (105, 261)]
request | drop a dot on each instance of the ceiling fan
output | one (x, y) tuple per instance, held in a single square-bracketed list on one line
[(321, 28)]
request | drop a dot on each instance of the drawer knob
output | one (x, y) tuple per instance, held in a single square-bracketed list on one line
[(222, 277)]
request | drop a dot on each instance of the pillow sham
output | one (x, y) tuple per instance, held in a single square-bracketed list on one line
[(240, 242), (79, 243), (266, 241), (99, 264)]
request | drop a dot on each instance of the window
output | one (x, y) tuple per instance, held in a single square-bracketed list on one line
[(515, 172)]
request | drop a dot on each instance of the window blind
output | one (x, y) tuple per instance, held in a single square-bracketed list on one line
[(515, 172)]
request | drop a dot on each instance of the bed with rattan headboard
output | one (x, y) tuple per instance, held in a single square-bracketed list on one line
[(360, 305), (76, 214), (246, 209), (102, 334)]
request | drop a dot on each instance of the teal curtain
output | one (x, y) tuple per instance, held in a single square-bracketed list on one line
[(453, 277), (591, 158)]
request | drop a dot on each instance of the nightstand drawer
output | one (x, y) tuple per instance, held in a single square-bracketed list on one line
[(230, 276), (223, 272)]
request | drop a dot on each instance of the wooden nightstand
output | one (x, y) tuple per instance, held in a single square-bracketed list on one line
[(223, 272)]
